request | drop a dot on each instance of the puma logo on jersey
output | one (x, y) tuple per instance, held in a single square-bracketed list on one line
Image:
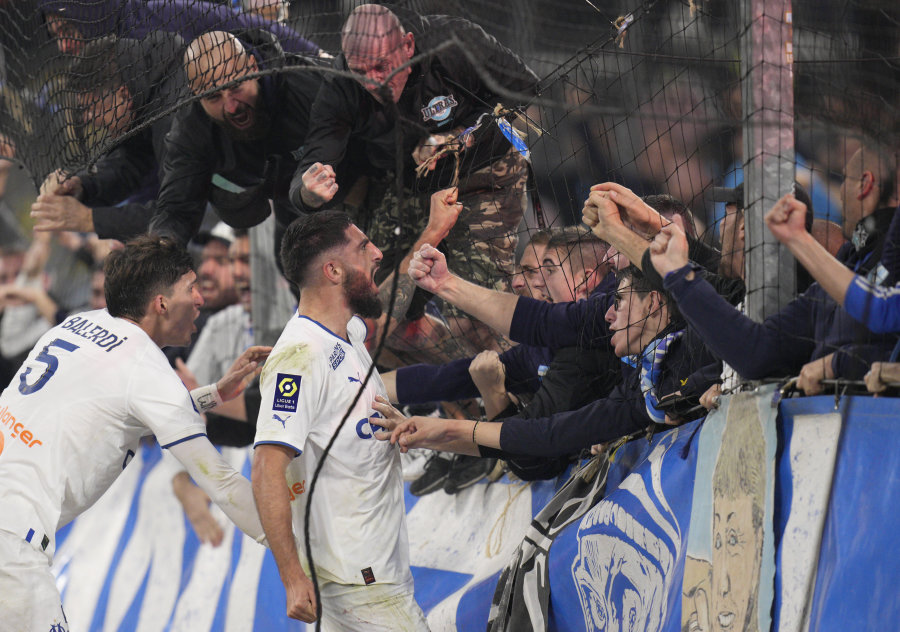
[(279, 419), (354, 379)]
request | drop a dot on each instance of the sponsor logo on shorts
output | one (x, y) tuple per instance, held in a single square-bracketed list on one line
[(337, 356), (438, 109), (368, 575), (287, 390)]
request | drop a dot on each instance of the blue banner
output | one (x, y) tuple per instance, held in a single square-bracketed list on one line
[(133, 563)]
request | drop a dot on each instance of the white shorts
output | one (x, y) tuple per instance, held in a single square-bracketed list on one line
[(29, 599), (375, 608)]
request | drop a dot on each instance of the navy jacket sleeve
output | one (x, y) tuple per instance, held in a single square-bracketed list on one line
[(560, 325), (422, 383), (332, 118), (119, 174), (191, 19), (581, 323), (122, 222), (619, 414), (890, 257), (778, 347)]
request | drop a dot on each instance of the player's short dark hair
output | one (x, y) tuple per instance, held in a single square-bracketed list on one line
[(147, 266), (308, 237)]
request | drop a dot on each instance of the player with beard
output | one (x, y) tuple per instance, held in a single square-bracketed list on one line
[(234, 146), (315, 375)]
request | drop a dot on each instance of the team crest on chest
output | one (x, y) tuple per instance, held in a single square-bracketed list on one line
[(438, 109), (337, 356)]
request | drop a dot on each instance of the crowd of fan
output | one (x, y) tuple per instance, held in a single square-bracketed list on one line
[(625, 324)]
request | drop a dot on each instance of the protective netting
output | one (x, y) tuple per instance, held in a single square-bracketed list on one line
[(657, 96), (485, 129)]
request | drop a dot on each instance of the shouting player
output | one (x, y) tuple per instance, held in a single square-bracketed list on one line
[(72, 419), (357, 523)]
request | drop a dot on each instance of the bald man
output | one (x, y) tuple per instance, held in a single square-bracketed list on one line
[(429, 73), (235, 145)]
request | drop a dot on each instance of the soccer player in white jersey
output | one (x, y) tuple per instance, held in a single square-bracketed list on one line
[(358, 523), (72, 419)]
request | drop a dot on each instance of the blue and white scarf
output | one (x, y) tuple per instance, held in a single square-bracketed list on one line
[(651, 366)]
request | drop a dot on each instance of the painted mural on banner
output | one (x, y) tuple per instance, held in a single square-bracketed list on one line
[(132, 562), (628, 549), (730, 568)]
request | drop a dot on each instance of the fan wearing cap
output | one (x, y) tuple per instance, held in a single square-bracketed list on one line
[(731, 232)]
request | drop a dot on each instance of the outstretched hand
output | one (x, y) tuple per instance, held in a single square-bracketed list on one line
[(669, 249), (61, 183), (428, 269), (787, 218), (242, 372), (56, 212), (408, 432), (601, 214), (639, 215), (319, 185)]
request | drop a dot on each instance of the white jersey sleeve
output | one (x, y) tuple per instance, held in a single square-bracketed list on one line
[(291, 391), (164, 405), (225, 485)]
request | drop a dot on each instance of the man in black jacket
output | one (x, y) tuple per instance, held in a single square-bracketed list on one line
[(415, 115), (236, 145), (119, 84)]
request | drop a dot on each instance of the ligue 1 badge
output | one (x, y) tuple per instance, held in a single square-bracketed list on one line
[(438, 109), (287, 389)]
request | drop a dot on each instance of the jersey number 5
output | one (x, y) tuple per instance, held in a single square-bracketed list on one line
[(52, 363)]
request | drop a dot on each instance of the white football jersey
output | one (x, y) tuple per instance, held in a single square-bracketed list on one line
[(72, 418), (358, 522)]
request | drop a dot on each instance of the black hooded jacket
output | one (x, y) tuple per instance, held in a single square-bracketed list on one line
[(247, 173), (446, 90), (151, 69)]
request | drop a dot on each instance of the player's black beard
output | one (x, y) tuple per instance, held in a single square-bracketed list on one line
[(262, 122), (360, 297)]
